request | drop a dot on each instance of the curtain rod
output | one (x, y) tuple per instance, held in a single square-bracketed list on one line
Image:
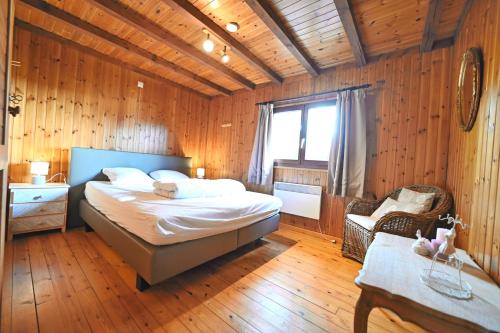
[(367, 85)]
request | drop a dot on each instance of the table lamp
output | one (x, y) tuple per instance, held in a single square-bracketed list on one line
[(200, 173), (38, 171)]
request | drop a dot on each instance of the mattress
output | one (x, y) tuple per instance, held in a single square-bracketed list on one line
[(162, 221)]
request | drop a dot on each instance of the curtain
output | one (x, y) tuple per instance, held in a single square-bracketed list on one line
[(347, 163), (260, 171)]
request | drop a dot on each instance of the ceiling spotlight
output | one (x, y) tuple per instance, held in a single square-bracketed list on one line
[(208, 44), (232, 27), (215, 4), (225, 58)]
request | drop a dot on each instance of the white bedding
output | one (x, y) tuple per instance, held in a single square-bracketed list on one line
[(198, 188), (162, 221)]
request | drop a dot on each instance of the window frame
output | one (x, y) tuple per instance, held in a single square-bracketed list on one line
[(302, 162)]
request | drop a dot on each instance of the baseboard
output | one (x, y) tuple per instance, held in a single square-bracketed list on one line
[(310, 232)]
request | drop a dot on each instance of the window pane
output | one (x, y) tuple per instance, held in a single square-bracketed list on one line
[(320, 126), (286, 135)]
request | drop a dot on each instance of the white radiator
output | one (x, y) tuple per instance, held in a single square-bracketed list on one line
[(298, 199)]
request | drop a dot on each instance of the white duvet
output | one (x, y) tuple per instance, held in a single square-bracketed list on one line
[(161, 221), (198, 188)]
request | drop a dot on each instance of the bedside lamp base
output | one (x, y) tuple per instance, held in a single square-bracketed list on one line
[(38, 180)]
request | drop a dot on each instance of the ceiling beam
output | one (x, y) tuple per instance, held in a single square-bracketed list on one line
[(438, 44), (148, 27), (431, 21), (344, 8), (461, 19), (29, 27), (274, 23), (197, 17), (121, 44)]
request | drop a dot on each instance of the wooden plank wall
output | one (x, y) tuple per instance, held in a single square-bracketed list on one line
[(73, 99), (4, 17), (6, 12), (473, 172), (409, 133)]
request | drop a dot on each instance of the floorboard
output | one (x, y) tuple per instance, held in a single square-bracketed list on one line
[(290, 281)]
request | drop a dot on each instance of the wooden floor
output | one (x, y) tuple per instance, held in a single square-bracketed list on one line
[(289, 282)]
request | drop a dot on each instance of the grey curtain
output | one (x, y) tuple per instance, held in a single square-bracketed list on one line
[(347, 163), (260, 171)]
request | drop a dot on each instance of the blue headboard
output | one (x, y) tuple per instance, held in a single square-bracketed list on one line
[(87, 164)]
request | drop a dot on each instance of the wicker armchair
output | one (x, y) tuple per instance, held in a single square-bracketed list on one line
[(357, 238)]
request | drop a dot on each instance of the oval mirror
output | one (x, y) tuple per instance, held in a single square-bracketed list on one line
[(469, 88)]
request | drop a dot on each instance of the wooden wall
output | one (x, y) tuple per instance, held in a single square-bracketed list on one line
[(73, 99), (6, 25), (409, 131), (473, 172)]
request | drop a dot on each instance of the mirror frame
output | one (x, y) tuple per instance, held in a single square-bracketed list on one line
[(471, 58)]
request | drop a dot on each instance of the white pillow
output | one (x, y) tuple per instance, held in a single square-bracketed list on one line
[(424, 199), (391, 205), (167, 175), (127, 176)]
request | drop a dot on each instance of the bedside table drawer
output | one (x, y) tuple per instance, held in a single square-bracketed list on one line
[(37, 195), (35, 209), (28, 224)]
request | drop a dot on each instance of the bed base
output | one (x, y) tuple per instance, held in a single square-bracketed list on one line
[(88, 228), (154, 264), (140, 283)]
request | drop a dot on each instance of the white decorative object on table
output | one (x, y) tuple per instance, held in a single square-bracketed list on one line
[(421, 245), (441, 281)]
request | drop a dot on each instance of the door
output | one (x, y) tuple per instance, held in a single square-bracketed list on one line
[(6, 26)]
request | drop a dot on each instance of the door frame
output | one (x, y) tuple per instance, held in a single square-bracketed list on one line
[(4, 136)]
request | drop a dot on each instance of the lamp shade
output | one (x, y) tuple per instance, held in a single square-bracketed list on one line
[(40, 168), (200, 172)]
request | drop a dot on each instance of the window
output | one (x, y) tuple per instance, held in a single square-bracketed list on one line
[(302, 135), (286, 135)]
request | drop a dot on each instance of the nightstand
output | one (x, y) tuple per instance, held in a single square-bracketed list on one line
[(37, 207)]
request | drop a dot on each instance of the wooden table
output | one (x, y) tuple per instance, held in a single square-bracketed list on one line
[(390, 278)]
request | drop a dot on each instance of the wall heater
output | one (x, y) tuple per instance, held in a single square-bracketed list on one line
[(298, 199)]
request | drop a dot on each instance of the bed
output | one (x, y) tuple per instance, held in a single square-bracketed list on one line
[(153, 263)]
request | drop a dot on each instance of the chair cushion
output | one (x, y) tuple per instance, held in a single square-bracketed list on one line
[(425, 199), (365, 221), (390, 205)]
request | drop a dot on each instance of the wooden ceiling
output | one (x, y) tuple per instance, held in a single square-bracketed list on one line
[(276, 39)]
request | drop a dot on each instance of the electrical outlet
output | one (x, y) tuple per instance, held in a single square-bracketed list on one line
[(140, 84)]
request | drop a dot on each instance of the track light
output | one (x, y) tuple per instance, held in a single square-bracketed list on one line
[(208, 44), (225, 57)]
